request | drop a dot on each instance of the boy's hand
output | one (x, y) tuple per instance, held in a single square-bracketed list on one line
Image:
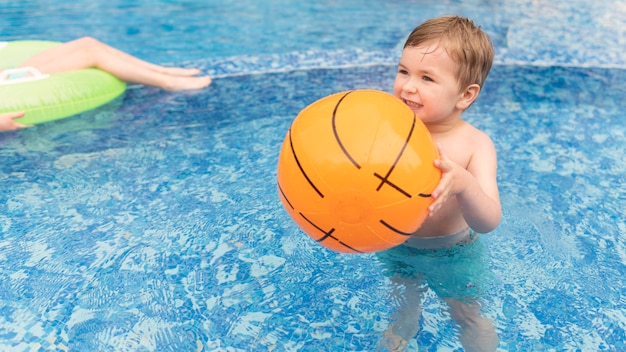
[(7, 123), (451, 183)]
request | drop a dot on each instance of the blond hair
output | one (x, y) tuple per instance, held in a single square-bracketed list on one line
[(466, 43)]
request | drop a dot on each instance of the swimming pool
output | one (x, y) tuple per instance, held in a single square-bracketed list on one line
[(153, 222)]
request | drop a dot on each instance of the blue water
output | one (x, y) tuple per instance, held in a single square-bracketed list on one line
[(153, 223)]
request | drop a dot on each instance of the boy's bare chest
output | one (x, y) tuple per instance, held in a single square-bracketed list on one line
[(456, 147)]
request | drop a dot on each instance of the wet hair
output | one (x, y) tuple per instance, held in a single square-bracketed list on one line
[(465, 42)]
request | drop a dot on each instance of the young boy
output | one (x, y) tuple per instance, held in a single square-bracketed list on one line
[(444, 64)]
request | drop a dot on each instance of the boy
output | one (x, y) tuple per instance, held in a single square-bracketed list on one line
[(444, 64)]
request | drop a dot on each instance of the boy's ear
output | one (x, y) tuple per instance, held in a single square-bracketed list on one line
[(468, 96)]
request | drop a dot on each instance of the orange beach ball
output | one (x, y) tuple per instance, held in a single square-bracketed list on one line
[(355, 171)]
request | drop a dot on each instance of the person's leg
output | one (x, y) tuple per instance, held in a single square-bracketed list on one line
[(122, 56), (88, 52), (85, 52), (174, 71), (408, 293), (477, 332)]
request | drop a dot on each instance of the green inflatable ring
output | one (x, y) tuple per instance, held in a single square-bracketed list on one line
[(46, 98)]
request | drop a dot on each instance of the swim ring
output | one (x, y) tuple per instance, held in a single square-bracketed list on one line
[(50, 97)]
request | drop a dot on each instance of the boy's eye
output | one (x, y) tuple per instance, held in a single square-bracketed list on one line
[(427, 79), (402, 71)]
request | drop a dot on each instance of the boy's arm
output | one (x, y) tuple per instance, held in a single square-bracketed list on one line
[(476, 188)]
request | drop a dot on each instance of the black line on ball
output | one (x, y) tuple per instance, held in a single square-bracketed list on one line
[(385, 179), (337, 135), (328, 234), (394, 229), (293, 151), (317, 227), (284, 196)]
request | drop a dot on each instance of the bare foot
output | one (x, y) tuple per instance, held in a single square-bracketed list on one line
[(179, 71), (393, 342), (187, 83)]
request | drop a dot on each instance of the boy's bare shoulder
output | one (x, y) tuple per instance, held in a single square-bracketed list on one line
[(477, 137), (468, 144)]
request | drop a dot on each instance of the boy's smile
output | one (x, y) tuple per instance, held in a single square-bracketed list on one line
[(412, 105)]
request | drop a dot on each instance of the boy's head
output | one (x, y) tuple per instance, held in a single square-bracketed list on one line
[(464, 42)]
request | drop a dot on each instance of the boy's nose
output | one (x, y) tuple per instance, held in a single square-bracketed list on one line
[(410, 87)]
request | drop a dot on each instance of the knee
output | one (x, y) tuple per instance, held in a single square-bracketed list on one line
[(90, 44), (89, 41)]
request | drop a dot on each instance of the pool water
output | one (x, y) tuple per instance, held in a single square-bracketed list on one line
[(153, 223)]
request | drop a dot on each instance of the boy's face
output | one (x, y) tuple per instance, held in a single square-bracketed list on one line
[(426, 83)]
